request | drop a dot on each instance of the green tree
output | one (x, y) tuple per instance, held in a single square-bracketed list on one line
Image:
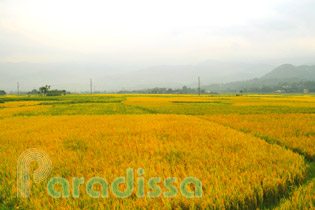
[(56, 92), (33, 92), (44, 90)]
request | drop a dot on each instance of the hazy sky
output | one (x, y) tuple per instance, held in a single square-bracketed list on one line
[(151, 32)]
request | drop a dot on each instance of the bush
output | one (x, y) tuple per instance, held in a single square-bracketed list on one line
[(56, 92)]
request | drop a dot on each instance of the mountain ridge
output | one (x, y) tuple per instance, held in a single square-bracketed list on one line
[(76, 76), (284, 74)]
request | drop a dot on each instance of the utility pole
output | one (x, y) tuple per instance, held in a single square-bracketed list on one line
[(91, 85), (198, 85), (18, 88)]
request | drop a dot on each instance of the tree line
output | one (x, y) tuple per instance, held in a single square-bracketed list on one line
[(45, 90), (157, 90)]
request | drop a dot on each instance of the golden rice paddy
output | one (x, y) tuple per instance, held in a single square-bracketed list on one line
[(248, 152)]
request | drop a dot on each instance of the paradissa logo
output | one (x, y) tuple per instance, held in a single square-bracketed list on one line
[(45, 166)]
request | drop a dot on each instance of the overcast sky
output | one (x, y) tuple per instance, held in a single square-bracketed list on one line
[(146, 32)]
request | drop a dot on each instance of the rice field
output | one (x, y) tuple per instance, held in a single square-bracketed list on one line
[(294, 131), (247, 152)]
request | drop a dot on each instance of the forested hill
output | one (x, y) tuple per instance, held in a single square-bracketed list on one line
[(286, 78), (288, 71)]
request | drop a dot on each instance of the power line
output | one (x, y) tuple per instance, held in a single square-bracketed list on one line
[(199, 85), (18, 88), (91, 85)]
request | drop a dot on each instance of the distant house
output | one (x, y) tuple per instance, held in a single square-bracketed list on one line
[(306, 91)]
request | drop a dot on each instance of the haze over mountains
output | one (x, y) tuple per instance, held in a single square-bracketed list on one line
[(215, 75), (289, 72), (76, 77), (284, 75)]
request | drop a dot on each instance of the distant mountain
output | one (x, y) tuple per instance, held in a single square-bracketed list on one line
[(284, 75), (288, 71), (76, 76), (177, 76)]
